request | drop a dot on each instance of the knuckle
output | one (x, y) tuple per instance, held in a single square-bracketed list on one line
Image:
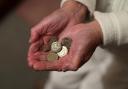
[(69, 67), (33, 29), (74, 67)]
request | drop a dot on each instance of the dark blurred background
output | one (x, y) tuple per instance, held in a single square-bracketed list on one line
[(15, 24)]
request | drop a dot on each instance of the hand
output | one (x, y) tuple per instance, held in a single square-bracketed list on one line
[(85, 39), (69, 15)]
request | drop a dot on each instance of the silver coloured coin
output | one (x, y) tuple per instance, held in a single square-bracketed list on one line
[(63, 52), (56, 47)]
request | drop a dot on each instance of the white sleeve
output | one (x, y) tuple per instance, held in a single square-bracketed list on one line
[(90, 4), (114, 26)]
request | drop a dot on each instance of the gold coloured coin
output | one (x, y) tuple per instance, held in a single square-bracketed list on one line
[(63, 52), (52, 56), (56, 47)]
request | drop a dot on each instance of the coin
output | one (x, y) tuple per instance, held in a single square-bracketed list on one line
[(56, 46), (66, 42), (63, 52), (52, 56)]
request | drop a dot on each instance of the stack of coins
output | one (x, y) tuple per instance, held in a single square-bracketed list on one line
[(57, 49), (66, 43)]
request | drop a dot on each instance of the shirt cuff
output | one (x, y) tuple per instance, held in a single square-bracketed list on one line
[(110, 27), (90, 4)]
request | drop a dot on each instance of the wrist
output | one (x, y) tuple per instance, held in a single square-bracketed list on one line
[(96, 31), (75, 9)]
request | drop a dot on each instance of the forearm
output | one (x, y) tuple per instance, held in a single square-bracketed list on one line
[(76, 8)]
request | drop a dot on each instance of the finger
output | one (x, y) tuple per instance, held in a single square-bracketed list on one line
[(74, 56), (31, 61), (35, 35), (46, 39), (87, 55), (45, 65), (59, 65), (34, 47), (64, 34), (43, 56), (39, 30), (36, 58)]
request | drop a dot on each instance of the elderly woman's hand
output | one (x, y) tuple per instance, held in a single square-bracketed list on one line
[(70, 14), (85, 39)]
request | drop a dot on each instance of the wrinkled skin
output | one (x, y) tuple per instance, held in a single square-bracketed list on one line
[(55, 23), (52, 25), (85, 40), (63, 23)]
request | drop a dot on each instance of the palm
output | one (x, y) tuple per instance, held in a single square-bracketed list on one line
[(80, 51), (52, 25)]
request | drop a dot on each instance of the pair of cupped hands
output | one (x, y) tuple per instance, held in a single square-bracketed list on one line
[(64, 23)]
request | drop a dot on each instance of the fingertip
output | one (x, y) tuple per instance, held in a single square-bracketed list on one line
[(30, 41), (34, 47), (38, 67), (35, 67), (30, 64), (33, 39)]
